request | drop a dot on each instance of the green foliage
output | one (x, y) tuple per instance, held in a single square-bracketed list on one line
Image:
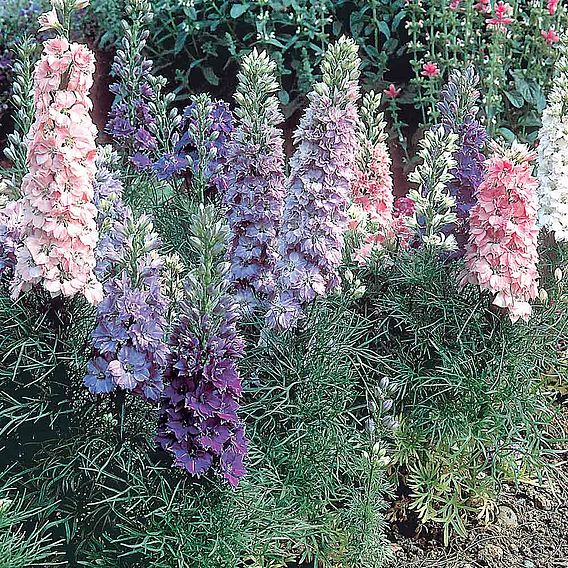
[(306, 412), (513, 85), (24, 539), (473, 408), (199, 40)]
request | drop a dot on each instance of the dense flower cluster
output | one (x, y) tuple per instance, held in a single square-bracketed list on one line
[(553, 156), (458, 111), (203, 137), (199, 423), (319, 188), (128, 342), (501, 254), (58, 216), (372, 187), (255, 192)]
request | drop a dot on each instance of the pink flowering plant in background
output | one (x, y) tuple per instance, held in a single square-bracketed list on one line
[(501, 254), (372, 208)]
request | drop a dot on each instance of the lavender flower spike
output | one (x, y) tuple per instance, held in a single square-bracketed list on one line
[(458, 111), (255, 192), (128, 342), (319, 187)]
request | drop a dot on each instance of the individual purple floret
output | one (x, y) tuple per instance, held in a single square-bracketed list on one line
[(319, 188), (255, 175), (458, 110), (199, 424)]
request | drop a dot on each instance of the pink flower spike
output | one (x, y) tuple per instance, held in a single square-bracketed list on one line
[(392, 92), (550, 36), (58, 229), (501, 254), (430, 70)]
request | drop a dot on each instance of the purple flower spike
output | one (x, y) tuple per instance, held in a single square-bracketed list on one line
[(130, 330), (458, 109), (319, 188), (255, 192), (198, 423)]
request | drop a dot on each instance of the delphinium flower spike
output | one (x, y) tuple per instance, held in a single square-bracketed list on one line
[(22, 100), (199, 425), (458, 113), (501, 254), (255, 188), (315, 215), (434, 206), (141, 119), (58, 215), (553, 154), (128, 342), (373, 198)]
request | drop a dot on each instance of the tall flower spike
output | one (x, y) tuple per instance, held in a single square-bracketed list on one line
[(128, 342), (319, 188), (198, 424), (501, 254), (434, 206), (58, 215), (200, 153), (458, 112), (255, 184), (372, 188), (553, 154), (141, 121)]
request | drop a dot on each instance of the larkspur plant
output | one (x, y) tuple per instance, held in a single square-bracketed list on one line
[(458, 113), (128, 342), (141, 121), (22, 101), (434, 207), (553, 154), (501, 254), (373, 199), (202, 147), (58, 217), (322, 169), (255, 193), (199, 423)]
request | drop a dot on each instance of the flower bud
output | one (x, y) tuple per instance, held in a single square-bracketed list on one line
[(543, 295), (387, 404), (558, 274)]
